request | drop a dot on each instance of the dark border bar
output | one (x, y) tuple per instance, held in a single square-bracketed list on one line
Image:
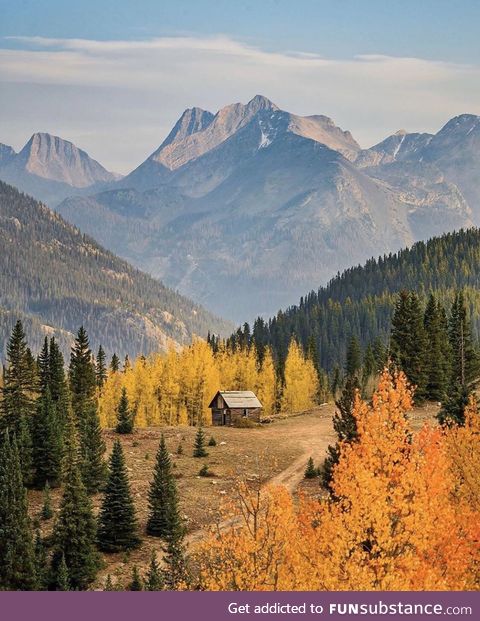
[(196, 606)]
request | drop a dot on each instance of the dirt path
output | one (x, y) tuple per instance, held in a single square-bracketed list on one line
[(313, 434)]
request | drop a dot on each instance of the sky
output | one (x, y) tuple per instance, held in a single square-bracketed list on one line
[(114, 76)]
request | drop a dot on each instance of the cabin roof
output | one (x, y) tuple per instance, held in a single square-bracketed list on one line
[(238, 399)]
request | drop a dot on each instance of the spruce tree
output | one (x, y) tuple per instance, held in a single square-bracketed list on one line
[(345, 426), (19, 393), (354, 357), (154, 580), (115, 364), (101, 368), (74, 535), (47, 443), (136, 583), (117, 524), (109, 584), (310, 470), (41, 563), (437, 354), (83, 392), (125, 415), (199, 446), (47, 511), (163, 516), (62, 582), (17, 553), (176, 569), (465, 367), (408, 341)]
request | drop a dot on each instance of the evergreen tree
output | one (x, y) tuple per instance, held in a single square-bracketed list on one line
[(369, 363), (74, 535), (117, 524), (154, 580), (47, 511), (17, 553), (136, 583), (81, 373), (336, 381), (62, 578), (101, 368), (43, 364), (310, 470), (125, 415), (115, 364), (92, 448), (176, 570), (437, 352), (345, 426), (408, 341), (41, 563), (199, 446), (47, 442), (465, 367), (163, 518), (19, 393), (354, 357), (83, 391)]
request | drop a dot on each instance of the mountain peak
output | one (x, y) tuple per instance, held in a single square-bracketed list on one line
[(7, 153), (56, 159), (193, 120), (260, 102)]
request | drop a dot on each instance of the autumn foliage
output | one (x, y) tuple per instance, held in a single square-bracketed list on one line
[(403, 516), (176, 388)]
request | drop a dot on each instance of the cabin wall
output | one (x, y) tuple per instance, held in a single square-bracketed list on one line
[(225, 416)]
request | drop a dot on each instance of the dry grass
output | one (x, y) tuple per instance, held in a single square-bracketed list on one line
[(277, 451)]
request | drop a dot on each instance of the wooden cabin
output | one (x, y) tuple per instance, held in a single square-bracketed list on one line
[(230, 406)]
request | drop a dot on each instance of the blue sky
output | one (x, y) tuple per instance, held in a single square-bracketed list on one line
[(113, 76)]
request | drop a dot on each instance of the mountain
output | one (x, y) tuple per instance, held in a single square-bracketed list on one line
[(52, 168), (56, 278), (6, 154), (360, 301), (246, 209)]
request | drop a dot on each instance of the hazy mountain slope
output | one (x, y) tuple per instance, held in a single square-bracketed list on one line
[(249, 225), (51, 168), (57, 278), (7, 153), (360, 301), (245, 209)]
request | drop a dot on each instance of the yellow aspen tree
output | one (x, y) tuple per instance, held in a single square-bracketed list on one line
[(266, 385), (301, 382), (108, 400)]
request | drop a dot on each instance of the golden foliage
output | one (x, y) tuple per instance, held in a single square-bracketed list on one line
[(404, 514), (301, 381)]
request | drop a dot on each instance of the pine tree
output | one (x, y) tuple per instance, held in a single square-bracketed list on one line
[(47, 443), (101, 368), (41, 563), (62, 578), (74, 534), (136, 583), (199, 446), (117, 524), (212, 441), (437, 353), (465, 367), (154, 580), (125, 416), (84, 403), (19, 393), (408, 341), (17, 553), (47, 511), (176, 570), (163, 516), (310, 470), (345, 426), (354, 357), (115, 364)]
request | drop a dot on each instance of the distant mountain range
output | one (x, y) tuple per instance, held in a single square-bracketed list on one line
[(245, 209), (55, 278)]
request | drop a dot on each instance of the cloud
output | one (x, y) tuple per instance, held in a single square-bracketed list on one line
[(118, 99)]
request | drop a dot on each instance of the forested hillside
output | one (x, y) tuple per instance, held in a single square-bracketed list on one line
[(360, 301), (54, 277)]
